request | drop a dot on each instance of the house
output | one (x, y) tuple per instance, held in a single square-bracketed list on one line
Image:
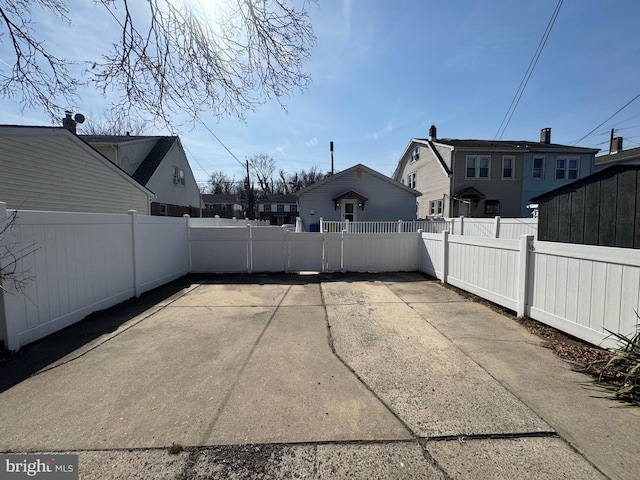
[(601, 209), (485, 178), (224, 205), (617, 155), (356, 194), (51, 168), (278, 209), (159, 163)]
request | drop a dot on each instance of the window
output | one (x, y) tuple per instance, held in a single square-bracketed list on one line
[(478, 166), (267, 207), (492, 207), (178, 176), (162, 209), (572, 169), (293, 208), (435, 207), (411, 180), (561, 168), (415, 154), (538, 168), (507, 167), (280, 208)]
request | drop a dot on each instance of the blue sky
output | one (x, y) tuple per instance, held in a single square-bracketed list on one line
[(383, 71)]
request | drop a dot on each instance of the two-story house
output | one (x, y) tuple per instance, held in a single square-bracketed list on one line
[(278, 209), (485, 178), (160, 164)]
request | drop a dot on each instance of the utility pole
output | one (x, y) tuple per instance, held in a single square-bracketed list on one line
[(249, 195)]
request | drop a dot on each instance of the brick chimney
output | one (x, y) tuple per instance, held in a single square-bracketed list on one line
[(432, 132), (616, 145), (68, 122), (545, 135)]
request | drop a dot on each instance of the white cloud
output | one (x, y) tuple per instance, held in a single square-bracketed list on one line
[(388, 128), (312, 143)]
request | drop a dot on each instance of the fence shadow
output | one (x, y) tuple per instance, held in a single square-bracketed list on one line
[(36, 356)]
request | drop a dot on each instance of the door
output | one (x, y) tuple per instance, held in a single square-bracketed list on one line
[(349, 210)]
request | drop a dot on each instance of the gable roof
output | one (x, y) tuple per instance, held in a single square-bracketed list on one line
[(370, 171), (78, 141), (278, 198), (509, 145), (630, 154), (154, 158)]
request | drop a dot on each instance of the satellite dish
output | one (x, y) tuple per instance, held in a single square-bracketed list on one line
[(78, 117)]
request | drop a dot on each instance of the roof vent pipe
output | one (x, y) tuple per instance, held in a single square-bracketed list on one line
[(545, 136)]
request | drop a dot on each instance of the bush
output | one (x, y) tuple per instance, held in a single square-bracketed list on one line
[(625, 365)]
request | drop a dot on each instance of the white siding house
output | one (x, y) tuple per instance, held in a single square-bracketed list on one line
[(50, 168), (357, 194), (160, 164)]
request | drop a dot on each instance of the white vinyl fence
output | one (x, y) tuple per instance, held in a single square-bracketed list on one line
[(72, 264), (497, 227), (268, 249), (582, 290)]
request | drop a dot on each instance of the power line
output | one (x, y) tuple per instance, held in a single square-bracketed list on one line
[(525, 80), (609, 118)]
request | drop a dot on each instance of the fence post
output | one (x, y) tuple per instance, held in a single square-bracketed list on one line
[(453, 226), (287, 250), (189, 257), (298, 224), (135, 252), (399, 226), (346, 224), (342, 266), (445, 256), (496, 227), (321, 227), (461, 225), (249, 249), (523, 274), (7, 333)]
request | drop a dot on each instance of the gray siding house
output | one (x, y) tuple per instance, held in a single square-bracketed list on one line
[(158, 163), (356, 194), (485, 178), (52, 169)]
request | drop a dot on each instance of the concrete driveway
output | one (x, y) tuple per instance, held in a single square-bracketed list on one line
[(320, 376)]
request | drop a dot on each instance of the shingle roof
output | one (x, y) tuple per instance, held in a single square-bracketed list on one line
[(112, 138), (508, 145), (629, 154), (153, 159), (279, 198)]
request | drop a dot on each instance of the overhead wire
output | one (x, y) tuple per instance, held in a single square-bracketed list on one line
[(525, 80), (608, 118)]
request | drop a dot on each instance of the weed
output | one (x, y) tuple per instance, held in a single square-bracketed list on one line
[(175, 449), (625, 365)]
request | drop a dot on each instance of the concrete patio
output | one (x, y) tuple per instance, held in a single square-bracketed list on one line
[(313, 376)]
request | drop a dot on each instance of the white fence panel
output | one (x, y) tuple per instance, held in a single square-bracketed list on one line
[(431, 254), (584, 289), (217, 250), (514, 228), (305, 252), (268, 248), (485, 267), (80, 263), (381, 252), (226, 222), (163, 253), (333, 252)]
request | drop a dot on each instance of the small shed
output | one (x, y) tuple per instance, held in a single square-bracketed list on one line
[(601, 209), (356, 194)]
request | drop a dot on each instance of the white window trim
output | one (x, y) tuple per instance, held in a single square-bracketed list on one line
[(513, 167), (411, 184), (435, 208), (415, 154), (476, 175), (533, 165), (567, 169)]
